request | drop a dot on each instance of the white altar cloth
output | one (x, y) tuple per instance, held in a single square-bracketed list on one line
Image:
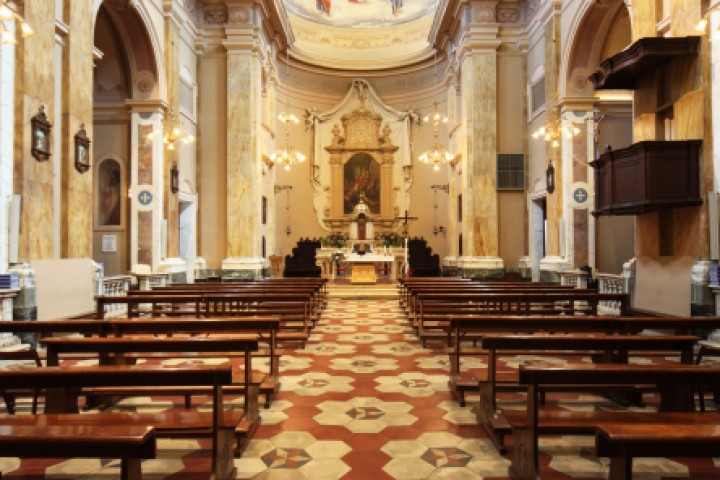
[(368, 258)]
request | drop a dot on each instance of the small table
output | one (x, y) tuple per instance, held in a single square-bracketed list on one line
[(275, 265)]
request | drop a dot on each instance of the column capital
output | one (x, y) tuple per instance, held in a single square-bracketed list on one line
[(147, 106)]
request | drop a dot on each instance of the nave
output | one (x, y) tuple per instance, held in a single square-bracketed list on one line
[(363, 400)]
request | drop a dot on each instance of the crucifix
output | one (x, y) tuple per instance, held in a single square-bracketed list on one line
[(406, 219)]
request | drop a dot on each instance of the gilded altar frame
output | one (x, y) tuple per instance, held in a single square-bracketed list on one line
[(362, 136)]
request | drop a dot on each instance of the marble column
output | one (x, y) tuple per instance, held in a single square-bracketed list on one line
[(578, 187), (554, 260), (146, 182), (480, 216), (35, 87), (76, 188), (243, 152), (7, 129), (172, 157)]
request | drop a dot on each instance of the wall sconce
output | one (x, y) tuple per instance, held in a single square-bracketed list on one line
[(286, 189), (174, 179), (445, 188), (550, 178), (82, 150), (40, 128), (9, 15)]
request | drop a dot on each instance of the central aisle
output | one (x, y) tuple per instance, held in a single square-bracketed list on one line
[(364, 401)]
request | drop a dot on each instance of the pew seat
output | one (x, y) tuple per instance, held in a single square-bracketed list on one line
[(622, 441), (36, 437)]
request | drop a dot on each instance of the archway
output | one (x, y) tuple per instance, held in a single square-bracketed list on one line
[(125, 69), (601, 30)]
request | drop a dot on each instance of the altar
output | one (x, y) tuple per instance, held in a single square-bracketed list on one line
[(364, 267)]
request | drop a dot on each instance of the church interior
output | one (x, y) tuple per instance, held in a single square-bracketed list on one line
[(377, 185)]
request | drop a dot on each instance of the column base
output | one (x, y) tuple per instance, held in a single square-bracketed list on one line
[(481, 268), (175, 268), (449, 267), (550, 268)]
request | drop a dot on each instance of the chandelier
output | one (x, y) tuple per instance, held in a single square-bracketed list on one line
[(437, 154), (288, 156), (8, 15), (174, 133), (553, 130)]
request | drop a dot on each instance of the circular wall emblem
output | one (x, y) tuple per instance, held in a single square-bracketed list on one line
[(145, 197), (580, 195)]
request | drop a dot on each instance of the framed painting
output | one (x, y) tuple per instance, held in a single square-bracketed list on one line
[(361, 181), (109, 203)]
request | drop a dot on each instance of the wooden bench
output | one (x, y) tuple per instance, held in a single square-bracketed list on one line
[(464, 332), (572, 302), (64, 385), (608, 348), (267, 329), (622, 442), (675, 384), (40, 438)]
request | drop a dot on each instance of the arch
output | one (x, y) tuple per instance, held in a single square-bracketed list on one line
[(135, 16), (593, 25)]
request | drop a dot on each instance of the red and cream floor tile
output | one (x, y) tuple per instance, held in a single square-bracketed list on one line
[(364, 400)]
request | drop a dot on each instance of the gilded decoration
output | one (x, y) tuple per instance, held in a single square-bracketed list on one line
[(361, 152)]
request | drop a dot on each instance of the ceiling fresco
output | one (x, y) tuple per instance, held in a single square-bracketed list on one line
[(361, 13)]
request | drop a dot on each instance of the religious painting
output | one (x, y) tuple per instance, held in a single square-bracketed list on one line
[(361, 181), (361, 13), (110, 195)]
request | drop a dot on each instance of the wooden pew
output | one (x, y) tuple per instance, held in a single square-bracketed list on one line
[(571, 302), (42, 439), (266, 327), (622, 442), (105, 347), (463, 329), (675, 384), (612, 349), (63, 386)]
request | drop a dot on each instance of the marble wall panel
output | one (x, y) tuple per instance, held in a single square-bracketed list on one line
[(145, 158), (580, 237), (145, 238), (690, 237), (644, 19), (172, 70)]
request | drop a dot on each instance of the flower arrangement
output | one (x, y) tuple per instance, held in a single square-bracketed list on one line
[(337, 240), (390, 239)]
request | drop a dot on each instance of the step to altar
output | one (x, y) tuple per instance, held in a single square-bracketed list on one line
[(344, 289)]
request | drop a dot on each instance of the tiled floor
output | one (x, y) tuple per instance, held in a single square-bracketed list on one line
[(364, 401)]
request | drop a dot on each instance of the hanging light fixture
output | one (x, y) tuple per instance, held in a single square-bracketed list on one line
[(287, 156), (173, 132), (553, 131), (437, 154), (8, 16)]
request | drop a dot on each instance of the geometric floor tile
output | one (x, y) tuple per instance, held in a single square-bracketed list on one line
[(364, 400)]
